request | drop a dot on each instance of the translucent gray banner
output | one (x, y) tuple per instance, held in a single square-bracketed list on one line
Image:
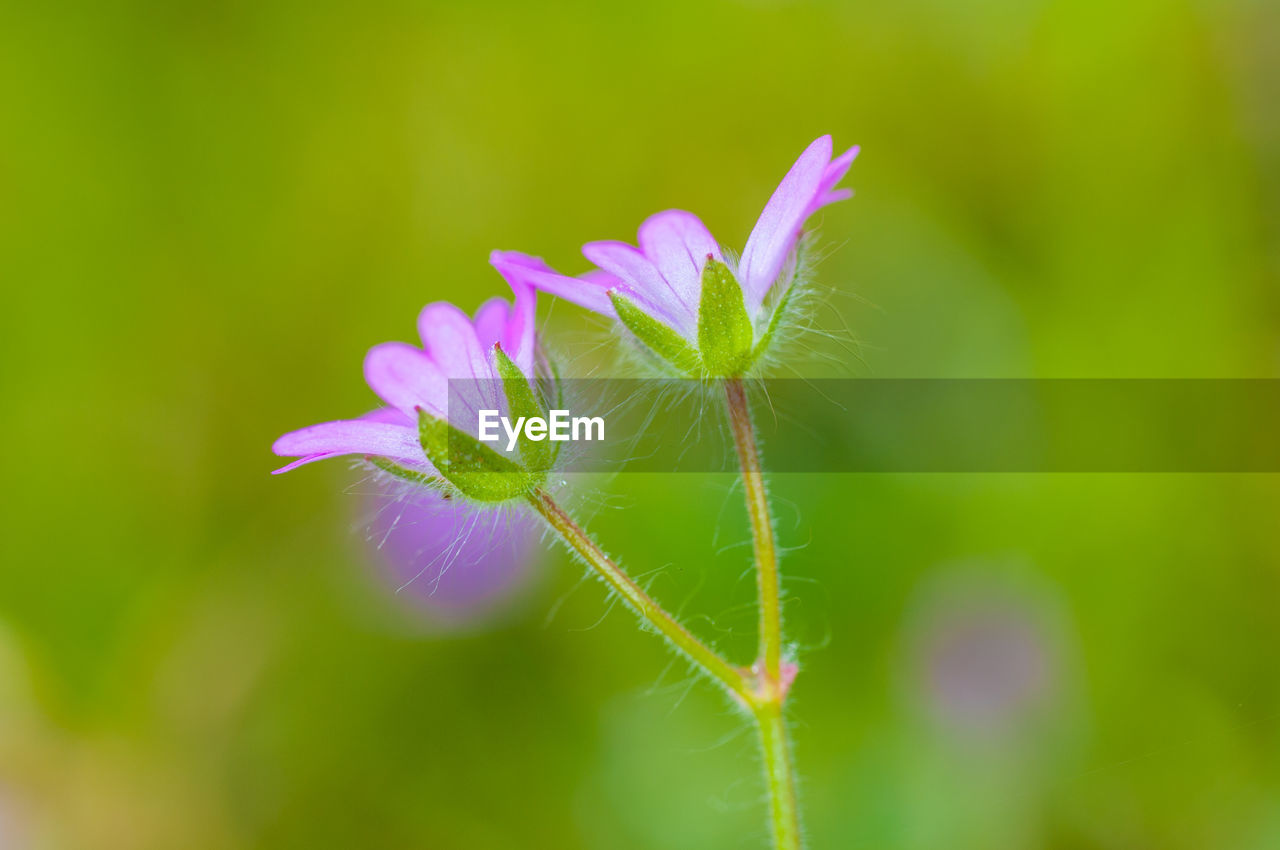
[(918, 425)]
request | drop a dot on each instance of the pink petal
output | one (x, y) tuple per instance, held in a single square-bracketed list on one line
[(391, 416), (832, 175), (491, 321), (519, 336), (406, 378), (352, 437), (642, 276), (512, 327), (604, 280), (450, 340), (833, 196), (303, 461), (613, 283), (584, 292), (678, 243), (805, 188)]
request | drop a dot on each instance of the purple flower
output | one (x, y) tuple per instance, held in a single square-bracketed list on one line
[(447, 561), (409, 379), (986, 653), (665, 278)]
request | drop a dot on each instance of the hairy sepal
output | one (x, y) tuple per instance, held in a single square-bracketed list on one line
[(668, 345), (725, 334), (477, 471), (781, 312), (525, 403), (404, 473)]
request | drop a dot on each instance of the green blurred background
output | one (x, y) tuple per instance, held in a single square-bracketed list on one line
[(210, 211)]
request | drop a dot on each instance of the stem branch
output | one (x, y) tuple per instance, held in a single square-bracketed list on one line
[(734, 678), (762, 689)]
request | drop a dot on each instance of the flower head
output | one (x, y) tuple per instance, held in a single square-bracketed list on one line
[(424, 432), (679, 295)]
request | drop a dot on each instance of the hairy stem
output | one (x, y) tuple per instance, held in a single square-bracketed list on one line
[(762, 540), (779, 774), (734, 678), (771, 687)]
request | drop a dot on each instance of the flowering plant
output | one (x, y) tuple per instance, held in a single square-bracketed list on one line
[(679, 296), (692, 309)]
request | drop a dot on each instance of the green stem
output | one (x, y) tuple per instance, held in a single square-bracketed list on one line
[(734, 678), (779, 773), (771, 688), (766, 550)]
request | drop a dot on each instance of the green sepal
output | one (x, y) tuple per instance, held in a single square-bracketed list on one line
[(475, 469), (657, 337), (403, 472), (724, 327), (779, 313), (524, 403)]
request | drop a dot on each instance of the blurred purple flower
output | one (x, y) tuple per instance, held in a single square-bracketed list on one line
[(985, 655), (664, 276), (447, 559), (406, 377)]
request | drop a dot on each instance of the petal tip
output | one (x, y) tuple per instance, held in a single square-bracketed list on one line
[(509, 258), (302, 461), (824, 144)]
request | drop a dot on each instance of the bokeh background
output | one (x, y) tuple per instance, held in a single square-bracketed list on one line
[(211, 210)]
